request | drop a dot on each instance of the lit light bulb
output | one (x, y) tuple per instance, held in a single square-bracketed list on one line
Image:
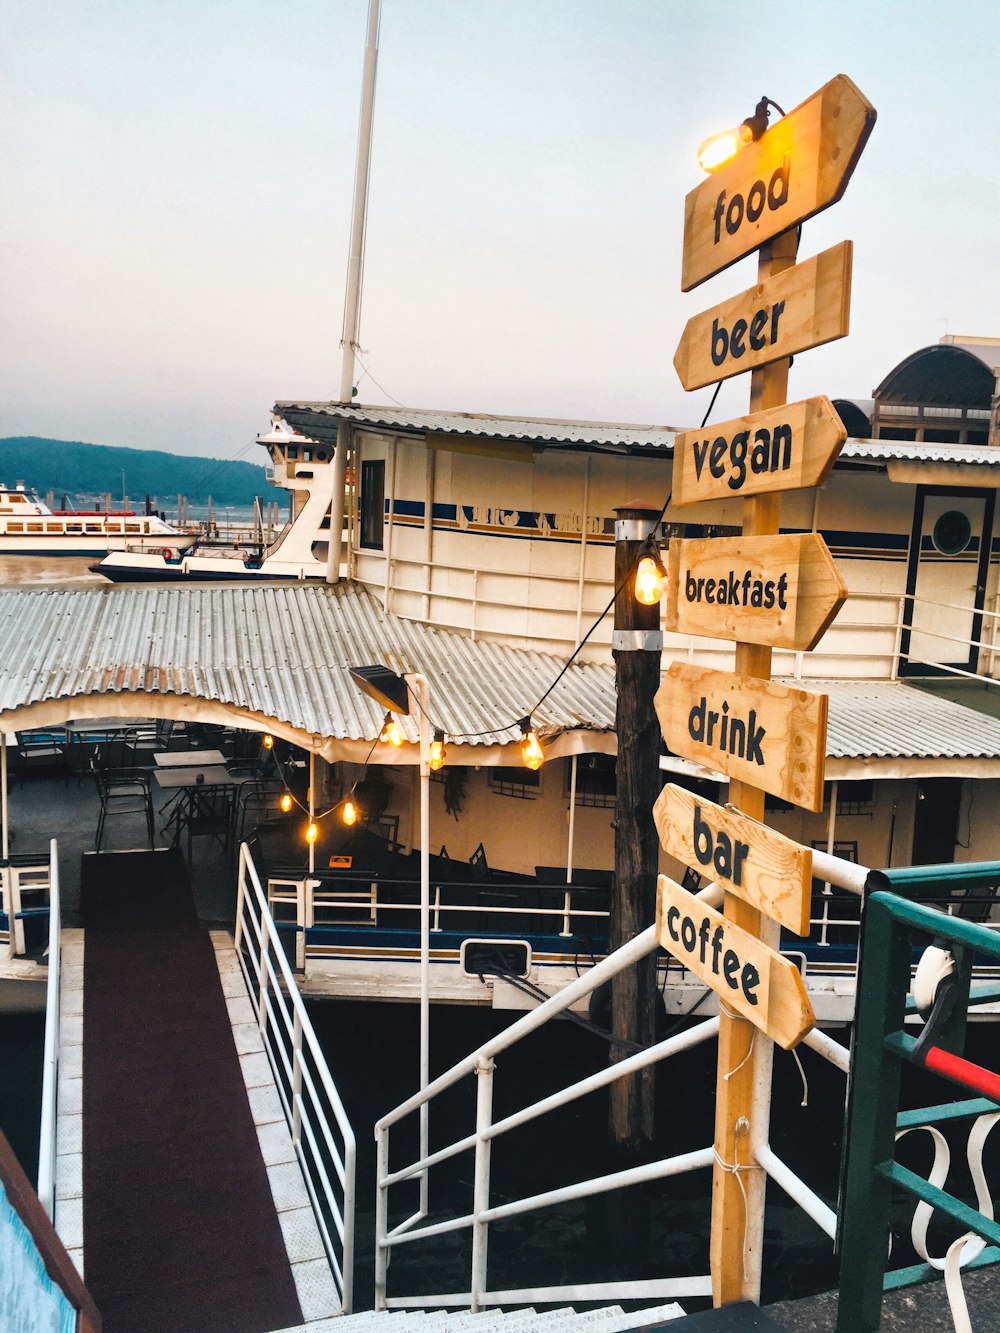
[(349, 814), (532, 754), (718, 149), (648, 581), (312, 831), (436, 753), (268, 742), (286, 801), (391, 732)]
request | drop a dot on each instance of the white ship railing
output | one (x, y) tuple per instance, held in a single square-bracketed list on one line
[(321, 1132), (481, 1063), (50, 1051)]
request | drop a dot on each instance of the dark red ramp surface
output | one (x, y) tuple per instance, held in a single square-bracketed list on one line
[(179, 1227)]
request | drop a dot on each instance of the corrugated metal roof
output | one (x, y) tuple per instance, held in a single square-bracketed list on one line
[(889, 720), (308, 417), (282, 653)]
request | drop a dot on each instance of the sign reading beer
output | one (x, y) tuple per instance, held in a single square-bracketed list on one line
[(798, 167), (745, 973), (769, 735), (779, 450), (802, 307), (782, 591), (762, 867)]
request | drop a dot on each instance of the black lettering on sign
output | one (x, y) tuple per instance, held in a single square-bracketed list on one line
[(732, 211), (719, 850), (701, 941), (730, 735), (771, 452), (730, 342), (737, 590)]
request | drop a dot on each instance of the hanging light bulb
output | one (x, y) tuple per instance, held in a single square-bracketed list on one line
[(532, 754), (286, 801), (349, 813), (312, 831), (650, 575), (391, 733), (268, 742), (436, 753), (718, 149)]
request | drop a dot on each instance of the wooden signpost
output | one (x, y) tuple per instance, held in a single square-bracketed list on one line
[(765, 736), (791, 446), (800, 166), (784, 590), (762, 867), (746, 975), (803, 307), (772, 736)]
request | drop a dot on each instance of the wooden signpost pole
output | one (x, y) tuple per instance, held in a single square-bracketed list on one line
[(744, 1072)]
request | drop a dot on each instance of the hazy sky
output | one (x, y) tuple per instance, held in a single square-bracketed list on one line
[(177, 187)]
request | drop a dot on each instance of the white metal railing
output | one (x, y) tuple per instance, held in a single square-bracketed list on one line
[(481, 1063), (321, 1132), (50, 1056)]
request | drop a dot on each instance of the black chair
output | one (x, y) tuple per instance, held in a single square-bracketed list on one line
[(208, 813), (123, 792), (479, 864)]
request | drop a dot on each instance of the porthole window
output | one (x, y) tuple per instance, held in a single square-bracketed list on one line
[(952, 533)]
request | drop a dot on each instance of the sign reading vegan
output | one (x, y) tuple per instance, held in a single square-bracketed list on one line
[(781, 591), (769, 735), (779, 450), (762, 867), (798, 167), (745, 974), (802, 307)]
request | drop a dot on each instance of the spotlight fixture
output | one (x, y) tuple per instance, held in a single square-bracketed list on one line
[(532, 754), (437, 752), (718, 149), (650, 574)]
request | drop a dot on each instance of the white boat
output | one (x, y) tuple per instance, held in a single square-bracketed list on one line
[(300, 551), (30, 527)]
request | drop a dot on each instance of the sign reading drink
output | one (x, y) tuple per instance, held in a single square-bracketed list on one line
[(769, 735), (745, 973), (799, 166), (782, 449), (762, 867), (802, 307), (781, 591)]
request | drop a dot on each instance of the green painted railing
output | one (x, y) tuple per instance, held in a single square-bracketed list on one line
[(893, 926)]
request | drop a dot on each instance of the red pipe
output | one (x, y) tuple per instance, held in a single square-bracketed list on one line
[(963, 1071)]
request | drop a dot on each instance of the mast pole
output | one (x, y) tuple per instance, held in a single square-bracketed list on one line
[(352, 298)]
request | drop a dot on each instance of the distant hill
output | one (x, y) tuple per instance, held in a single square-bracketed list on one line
[(86, 472)]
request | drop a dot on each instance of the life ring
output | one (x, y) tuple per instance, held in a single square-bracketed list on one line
[(169, 553)]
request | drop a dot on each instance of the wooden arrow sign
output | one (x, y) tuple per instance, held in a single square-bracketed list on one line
[(762, 867), (780, 591), (745, 973), (769, 735), (800, 166), (802, 307), (779, 450)]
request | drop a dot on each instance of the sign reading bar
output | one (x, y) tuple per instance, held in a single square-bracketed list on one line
[(772, 736), (745, 974), (762, 867), (781, 591), (798, 167), (802, 307), (782, 449)]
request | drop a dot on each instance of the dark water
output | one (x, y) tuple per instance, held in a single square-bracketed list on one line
[(21, 1038)]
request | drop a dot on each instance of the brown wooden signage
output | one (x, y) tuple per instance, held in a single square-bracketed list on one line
[(764, 868), (769, 735), (805, 306), (747, 975), (779, 450), (800, 166), (783, 591)]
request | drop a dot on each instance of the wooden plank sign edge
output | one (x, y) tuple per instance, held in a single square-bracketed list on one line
[(800, 166), (794, 719), (758, 864), (785, 448), (782, 591), (804, 306), (747, 975)]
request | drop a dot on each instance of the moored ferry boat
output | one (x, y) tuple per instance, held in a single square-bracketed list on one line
[(29, 527)]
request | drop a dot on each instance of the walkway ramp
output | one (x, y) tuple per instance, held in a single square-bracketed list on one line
[(179, 1222)]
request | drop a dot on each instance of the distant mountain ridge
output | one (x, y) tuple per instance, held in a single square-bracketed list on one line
[(86, 472)]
